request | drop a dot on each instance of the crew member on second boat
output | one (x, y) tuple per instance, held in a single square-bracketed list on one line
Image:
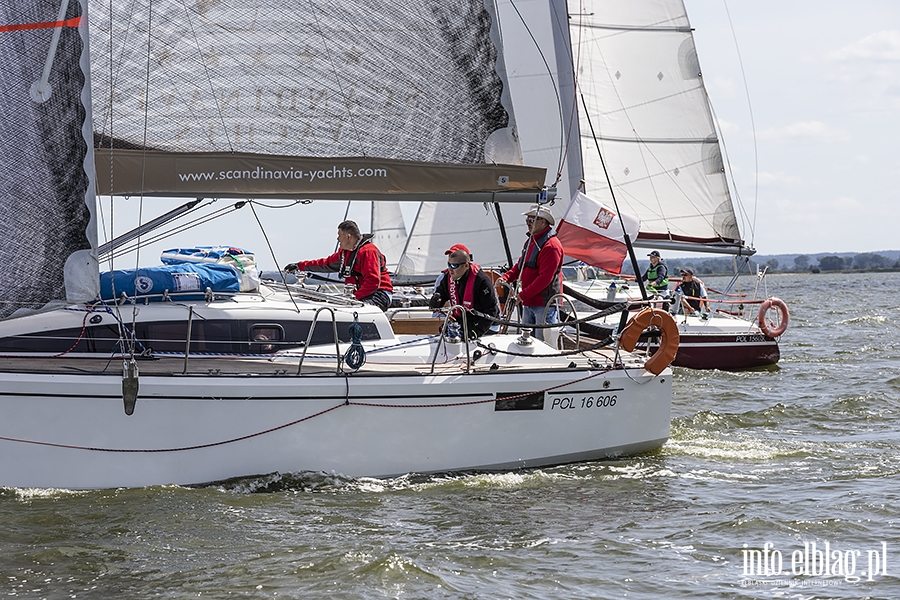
[(657, 275)]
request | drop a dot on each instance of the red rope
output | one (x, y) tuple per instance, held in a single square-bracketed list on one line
[(80, 335)]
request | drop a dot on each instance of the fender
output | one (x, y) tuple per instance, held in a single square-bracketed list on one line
[(768, 326), (668, 344)]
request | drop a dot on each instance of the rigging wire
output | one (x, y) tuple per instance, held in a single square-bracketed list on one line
[(752, 124), (212, 90), (179, 228), (337, 78), (272, 252), (200, 220), (137, 254), (122, 328)]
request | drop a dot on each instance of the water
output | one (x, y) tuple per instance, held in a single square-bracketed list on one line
[(804, 453)]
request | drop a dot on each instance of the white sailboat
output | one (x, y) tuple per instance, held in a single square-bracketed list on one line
[(181, 381), (649, 143), (610, 94)]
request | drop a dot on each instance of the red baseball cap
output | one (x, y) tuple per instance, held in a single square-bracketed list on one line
[(456, 247)]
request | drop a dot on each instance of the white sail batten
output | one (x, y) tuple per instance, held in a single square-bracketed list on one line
[(640, 78)]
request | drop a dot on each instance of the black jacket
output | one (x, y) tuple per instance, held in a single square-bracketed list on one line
[(484, 299)]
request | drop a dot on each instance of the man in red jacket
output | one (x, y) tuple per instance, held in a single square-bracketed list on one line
[(359, 262), (539, 269)]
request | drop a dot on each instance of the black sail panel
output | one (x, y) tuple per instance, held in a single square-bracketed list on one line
[(47, 232)]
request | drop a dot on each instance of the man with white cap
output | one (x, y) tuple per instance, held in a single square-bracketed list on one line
[(538, 268)]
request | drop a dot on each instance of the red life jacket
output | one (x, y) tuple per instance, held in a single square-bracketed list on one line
[(468, 297)]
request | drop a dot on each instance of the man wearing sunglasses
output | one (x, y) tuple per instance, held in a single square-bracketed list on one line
[(539, 269), (465, 284)]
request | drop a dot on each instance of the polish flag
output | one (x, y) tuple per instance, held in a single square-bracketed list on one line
[(591, 232)]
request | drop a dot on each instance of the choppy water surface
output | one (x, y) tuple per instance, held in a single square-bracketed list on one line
[(761, 464)]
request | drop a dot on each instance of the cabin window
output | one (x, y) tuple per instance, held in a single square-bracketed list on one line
[(266, 339), (214, 337), (103, 338)]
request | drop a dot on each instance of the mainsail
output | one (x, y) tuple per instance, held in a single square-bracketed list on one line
[(647, 112), (541, 90), (47, 227), (259, 98), (221, 98)]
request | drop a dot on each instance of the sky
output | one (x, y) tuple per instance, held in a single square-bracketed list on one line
[(807, 96), (823, 79)]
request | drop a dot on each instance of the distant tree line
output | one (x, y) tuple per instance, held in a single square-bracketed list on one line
[(708, 266), (862, 262), (716, 266)]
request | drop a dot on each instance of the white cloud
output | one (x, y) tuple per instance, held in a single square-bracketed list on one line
[(805, 131), (766, 178), (842, 203), (884, 45)]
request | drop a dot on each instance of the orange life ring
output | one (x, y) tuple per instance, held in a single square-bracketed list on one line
[(668, 344), (768, 327)]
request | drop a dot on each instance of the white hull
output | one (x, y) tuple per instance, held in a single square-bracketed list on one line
[(195, 430), (63, 427), (720, 341)]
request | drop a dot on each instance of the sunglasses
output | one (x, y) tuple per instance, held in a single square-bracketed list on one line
[(453, 266), (529, 219)]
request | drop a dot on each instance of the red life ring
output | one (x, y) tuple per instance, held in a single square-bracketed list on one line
[(668, 344), (767, 326)]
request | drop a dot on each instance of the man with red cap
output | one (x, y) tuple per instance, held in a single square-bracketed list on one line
[(443, 273), (456, 247), (463, 283)]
